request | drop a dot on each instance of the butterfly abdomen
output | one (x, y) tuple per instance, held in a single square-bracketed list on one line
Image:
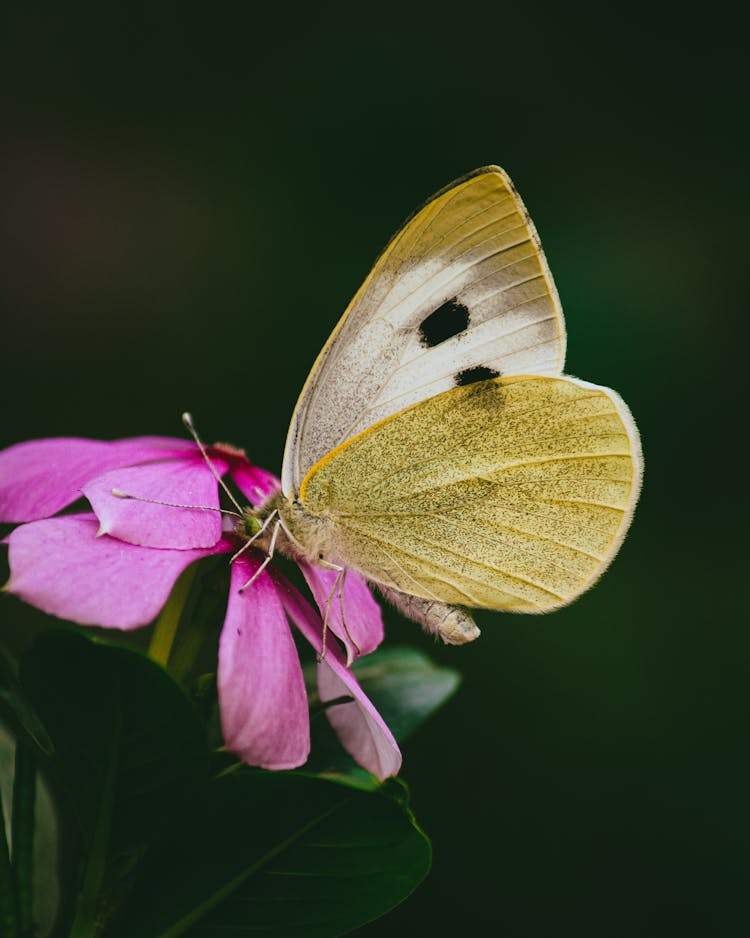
[(453, 624)]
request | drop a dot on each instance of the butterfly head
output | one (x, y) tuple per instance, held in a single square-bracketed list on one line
[(248, 524)]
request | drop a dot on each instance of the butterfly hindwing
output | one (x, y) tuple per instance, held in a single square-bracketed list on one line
[(516, 497), (462, 292)]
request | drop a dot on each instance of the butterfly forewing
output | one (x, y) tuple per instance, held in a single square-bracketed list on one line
[(462, 292), (516, 496)]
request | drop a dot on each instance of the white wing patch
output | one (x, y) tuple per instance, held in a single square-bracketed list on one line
[(463, 288)]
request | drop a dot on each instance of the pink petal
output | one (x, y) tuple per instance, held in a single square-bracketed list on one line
[(39, 477), (256, 484), (179, 481), (169, 445), (364, 620), (263, 702), (60, 566), (360, 727)]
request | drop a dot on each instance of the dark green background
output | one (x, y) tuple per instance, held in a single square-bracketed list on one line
[(191, 199)]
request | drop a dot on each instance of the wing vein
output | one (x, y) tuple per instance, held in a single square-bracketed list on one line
[(422, 560), (487, 536), (454, 274)]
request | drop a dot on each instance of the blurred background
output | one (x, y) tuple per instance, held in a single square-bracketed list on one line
[(190, 200)]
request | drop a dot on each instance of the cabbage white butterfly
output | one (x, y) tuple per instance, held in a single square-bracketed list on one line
[(436, 449)]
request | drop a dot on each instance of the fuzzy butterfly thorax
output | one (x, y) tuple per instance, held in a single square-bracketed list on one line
[(309, 536), (302, 535)]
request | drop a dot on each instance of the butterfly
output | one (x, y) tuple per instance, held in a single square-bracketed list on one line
[(436, 447)]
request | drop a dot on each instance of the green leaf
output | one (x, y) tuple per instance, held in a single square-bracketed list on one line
[(22, 826), (9, 924), (405, 686), (128, 746), (16, 707), (280, 853), (38, 900), (32, 823)]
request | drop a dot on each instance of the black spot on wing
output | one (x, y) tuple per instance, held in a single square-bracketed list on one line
[(472, 375), (447, 320)]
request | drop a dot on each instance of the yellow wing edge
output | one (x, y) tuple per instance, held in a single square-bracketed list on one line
[(636, 453)]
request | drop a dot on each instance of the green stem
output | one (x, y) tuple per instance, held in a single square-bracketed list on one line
[(24, 800), (166, 625), (8, 898), (204, 609), (186, 653), (87, 922), (318, 708)]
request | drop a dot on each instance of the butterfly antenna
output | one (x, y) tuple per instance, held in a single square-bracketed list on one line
[(118, 493), (188, 421)]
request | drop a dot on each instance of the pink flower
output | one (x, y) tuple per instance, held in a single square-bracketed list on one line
[(116, 566)]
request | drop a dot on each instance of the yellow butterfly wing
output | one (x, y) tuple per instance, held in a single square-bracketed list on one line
[(511, 493), (462, 291)]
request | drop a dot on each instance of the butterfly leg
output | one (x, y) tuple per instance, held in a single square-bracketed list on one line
[(269, 558), (337, 590), (340, 572), (357, 649)]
